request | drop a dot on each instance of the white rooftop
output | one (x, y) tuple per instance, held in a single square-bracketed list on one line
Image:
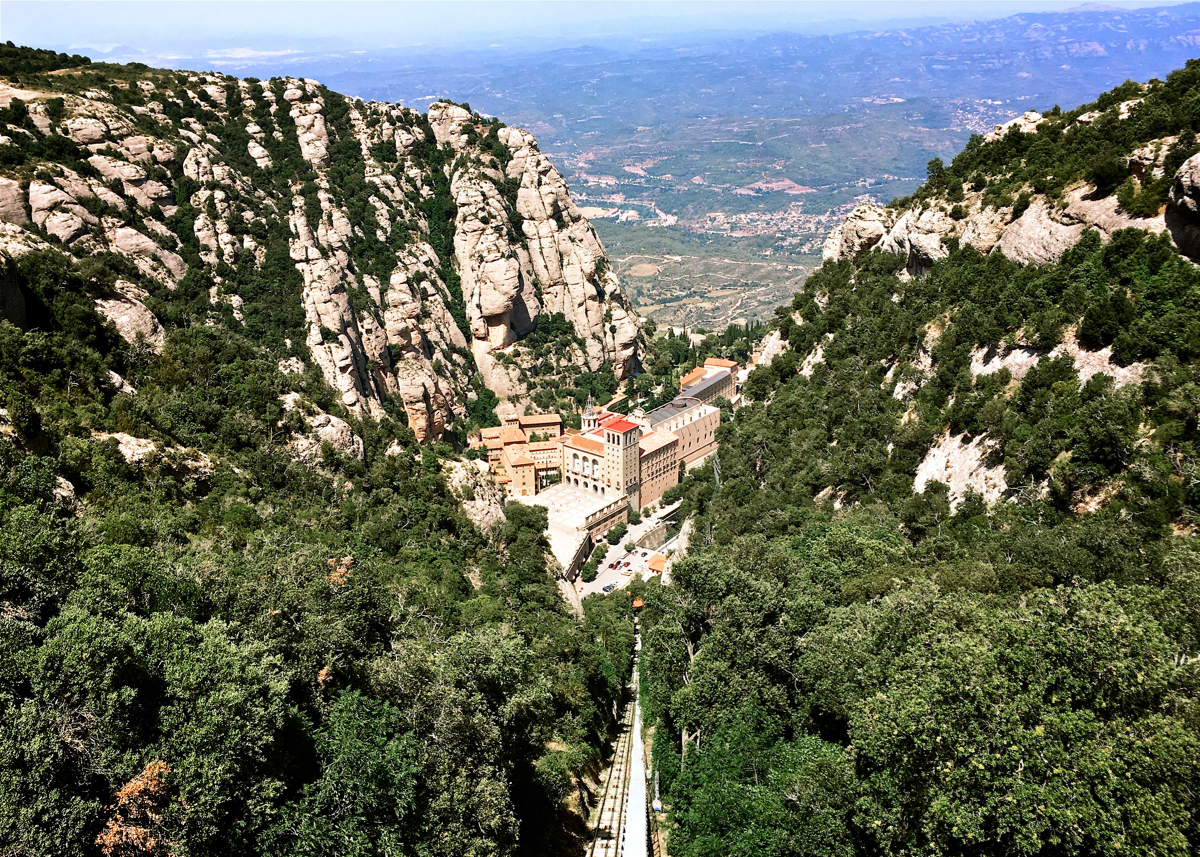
[(568, 508)]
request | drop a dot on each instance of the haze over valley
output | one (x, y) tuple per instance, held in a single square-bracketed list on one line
[(722, 159)]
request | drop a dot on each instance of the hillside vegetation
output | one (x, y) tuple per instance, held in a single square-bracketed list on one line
[(237, 614), (945, 597)]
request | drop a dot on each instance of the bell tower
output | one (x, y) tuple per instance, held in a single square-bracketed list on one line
[(590, 418), (622, 460)]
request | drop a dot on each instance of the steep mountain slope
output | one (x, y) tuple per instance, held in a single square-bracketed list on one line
[(239, 614), (942, 595), (1032, 187), (403, 254)]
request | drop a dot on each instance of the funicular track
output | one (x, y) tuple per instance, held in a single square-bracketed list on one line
[(608, 832)]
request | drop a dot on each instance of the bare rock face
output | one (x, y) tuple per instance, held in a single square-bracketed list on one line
[(1036, 237), (1183, 209), (142, 452), (862, 229), (323, 427), (131, 317), (1042, 232), (58, 213), (918, 235), (385, 322), (568, 261), (1026, 123), (482, 498), (12, 202), (962, 466)]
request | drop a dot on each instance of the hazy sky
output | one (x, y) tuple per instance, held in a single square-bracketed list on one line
[(228, 29)]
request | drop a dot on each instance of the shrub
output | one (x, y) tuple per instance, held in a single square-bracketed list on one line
[(615, 535)]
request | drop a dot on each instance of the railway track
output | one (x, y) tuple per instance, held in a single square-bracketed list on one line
[(608, 833)]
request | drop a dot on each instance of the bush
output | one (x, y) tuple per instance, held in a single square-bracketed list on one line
[(588, 572), (615, 535)]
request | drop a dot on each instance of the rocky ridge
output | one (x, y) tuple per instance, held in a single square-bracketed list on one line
[(1007, 194), (1033, 228), (403, 255)]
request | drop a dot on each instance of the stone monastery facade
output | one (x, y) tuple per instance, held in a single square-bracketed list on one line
[(636, 456)]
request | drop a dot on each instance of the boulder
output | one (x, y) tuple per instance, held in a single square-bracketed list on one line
[(131, 317), (58, 212), (87, 130), (862, 229)]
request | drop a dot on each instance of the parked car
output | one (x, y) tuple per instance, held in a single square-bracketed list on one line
[(609, 588)]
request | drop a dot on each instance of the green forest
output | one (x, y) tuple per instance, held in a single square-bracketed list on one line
[(247, 654), (212, 645), (842, 666)]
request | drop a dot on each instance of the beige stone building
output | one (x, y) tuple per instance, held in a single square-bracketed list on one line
[(659, 465), (712, 380), (522, 467), (636, 457), (692, 421)]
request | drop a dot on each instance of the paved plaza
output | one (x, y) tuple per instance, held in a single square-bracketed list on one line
[(568, 508)]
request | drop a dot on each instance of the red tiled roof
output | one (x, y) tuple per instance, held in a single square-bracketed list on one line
[(720, 363), (657, 563), (587, 444), (539, 419), (692, 377), (512, 434), (621, 426)]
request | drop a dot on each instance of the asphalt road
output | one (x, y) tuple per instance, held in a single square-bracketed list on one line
[(617, 553)]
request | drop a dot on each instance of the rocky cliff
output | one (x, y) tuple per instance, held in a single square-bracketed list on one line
[(403, 255), (1121, 164)]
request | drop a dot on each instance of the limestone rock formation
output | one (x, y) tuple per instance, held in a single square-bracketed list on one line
[(131, 317), (1037, 235), (1026, 123), (482, 499), (862, 229), (424, 247), (323, 428), (961, 465)]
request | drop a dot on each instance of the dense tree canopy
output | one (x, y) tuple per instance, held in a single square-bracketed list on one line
[(841, 666), (259, 655)]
